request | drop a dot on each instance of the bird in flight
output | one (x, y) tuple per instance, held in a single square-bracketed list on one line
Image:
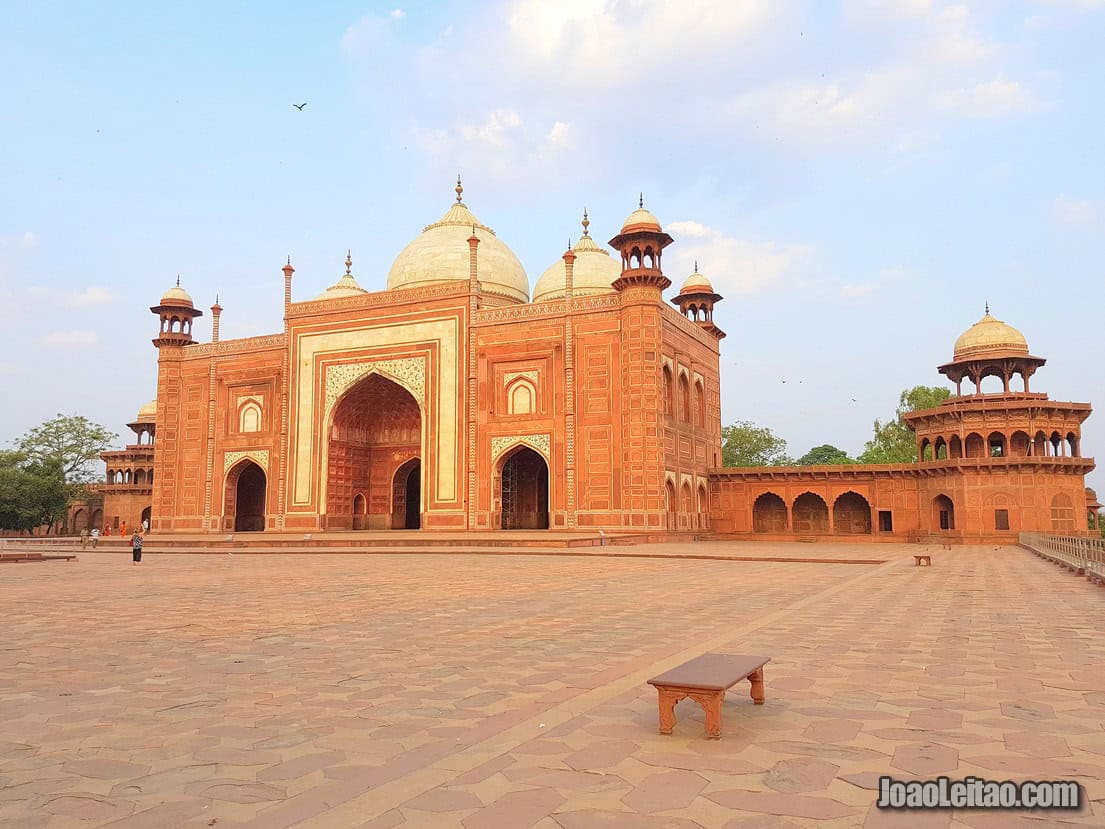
[(300, 106)]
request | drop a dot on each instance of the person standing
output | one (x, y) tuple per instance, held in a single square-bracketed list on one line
[(123, 530), (136, 547), (84, 537), (95, 537)]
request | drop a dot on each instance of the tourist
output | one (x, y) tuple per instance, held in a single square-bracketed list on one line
[(95, 537), (84, 538), (145, 525), (107, 530), (123, 530), (136, 547)]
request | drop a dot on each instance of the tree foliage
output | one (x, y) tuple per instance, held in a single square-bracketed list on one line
[(73, 442), (32, 492), (893, 441), (824, 455), (746, 444)]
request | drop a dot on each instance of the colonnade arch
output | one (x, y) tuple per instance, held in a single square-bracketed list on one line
[(1016, 443), (809, 514)]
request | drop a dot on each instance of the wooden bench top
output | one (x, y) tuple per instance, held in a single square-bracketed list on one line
[(711, 671)]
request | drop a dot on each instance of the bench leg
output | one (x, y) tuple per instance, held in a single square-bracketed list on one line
[(757, 691), (668, 699), (711, 706)]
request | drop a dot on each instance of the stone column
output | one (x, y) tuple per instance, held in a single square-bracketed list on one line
[(473, 365), (570, 389), (285, 380)]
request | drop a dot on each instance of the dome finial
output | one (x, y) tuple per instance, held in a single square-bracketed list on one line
[(586, 223), (641, 200), (459, 189), (178, 280), (696, 266), (289, 259), (987, 306), (348, 262)]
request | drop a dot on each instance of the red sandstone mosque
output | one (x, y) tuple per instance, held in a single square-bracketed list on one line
[(452, 401)]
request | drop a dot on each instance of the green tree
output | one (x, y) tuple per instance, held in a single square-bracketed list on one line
[(824, 455), (32, 492), (73, 442), (893, 441), (746, 444)]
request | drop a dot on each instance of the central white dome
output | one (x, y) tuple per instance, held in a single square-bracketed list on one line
[(440, 254)]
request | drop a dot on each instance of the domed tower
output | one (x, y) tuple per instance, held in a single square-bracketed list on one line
[(995, 464), (346, 286), (176, 312), (641, 244), (593, 272), (696, 301)]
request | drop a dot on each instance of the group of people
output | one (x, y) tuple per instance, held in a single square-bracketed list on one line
[(135, 542)]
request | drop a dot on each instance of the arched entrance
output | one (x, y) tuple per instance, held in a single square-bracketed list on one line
[(852, 514), (80, 521), (943, 513), (245, 497), (769, 514), (96, 522), (811, 514), (376, 433), (669, 502), (147, 515), (406, 496), (524, 490)]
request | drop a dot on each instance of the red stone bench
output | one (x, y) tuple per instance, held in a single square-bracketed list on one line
[(705, 679)]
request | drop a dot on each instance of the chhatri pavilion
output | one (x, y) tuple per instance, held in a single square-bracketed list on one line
[(455, 400)]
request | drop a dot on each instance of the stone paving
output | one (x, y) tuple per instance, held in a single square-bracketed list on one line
[(509, 691)]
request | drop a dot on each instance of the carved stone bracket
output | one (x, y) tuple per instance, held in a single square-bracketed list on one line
[(258, 456), (502, 443), (408, 372)]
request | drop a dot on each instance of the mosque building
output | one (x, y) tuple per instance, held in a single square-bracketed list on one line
[(451, 401)]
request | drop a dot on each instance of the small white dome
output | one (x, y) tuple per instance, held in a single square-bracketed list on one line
[(594, 271)]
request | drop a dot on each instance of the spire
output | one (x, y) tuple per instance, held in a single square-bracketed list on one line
[(987, 306), (460, 189), (696, 266), (348, 262), (586, 223), (289, 259), (178, 280), (641, 200)]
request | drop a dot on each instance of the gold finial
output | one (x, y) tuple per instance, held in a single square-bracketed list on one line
[(641, 201), (348, 262), (586, 223), (459, 189)]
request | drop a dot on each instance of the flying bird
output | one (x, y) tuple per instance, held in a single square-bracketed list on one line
[(300, 106)]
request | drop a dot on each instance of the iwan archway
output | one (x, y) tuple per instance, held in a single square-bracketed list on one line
[(246, 488), (375, 443), (524, 490)]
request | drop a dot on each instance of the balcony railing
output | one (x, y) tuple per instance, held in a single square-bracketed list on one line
[(1086, 556)]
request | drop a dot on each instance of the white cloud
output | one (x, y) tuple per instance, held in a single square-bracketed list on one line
[(1070, 211), (89, 296), (69, 338), (859, 290), (24, 241), (734, 266), (495, 130), (991, 98), (606, 42), (398, 14)]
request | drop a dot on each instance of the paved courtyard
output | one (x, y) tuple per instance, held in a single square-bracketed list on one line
[(509, 691)]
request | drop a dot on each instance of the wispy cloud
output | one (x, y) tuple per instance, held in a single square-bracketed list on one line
[(734, 266), (1070, 211), (23, 241), (66, 339)]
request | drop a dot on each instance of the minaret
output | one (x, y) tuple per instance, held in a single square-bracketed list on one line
[(641, 244), (288, 271), (696, 302), (176, 313), (216, 312)]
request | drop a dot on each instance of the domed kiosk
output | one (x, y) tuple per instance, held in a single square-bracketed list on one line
[(990, 348)]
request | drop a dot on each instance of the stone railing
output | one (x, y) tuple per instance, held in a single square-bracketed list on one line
[(1083, 555)]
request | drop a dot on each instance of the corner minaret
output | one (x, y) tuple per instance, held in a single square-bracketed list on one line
[(696, 301), (641, 244), (176, 313)]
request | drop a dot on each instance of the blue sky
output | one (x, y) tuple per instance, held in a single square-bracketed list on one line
[(856, 178)]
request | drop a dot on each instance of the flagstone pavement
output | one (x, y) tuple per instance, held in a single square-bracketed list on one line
[(459, 690)]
